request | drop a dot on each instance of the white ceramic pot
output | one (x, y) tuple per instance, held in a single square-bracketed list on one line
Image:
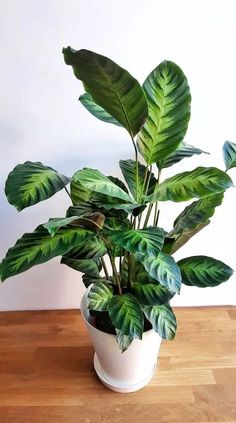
[(122, 372)]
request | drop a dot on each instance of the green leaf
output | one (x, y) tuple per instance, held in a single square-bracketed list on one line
[(111, 87), (198, 183), (32, 182), (184, 150), (186, 235), (143, 241), (128, 168), (89, 280), (38, 247), (163, 269), (124, 341), (197, 212), (126, 315), (92, 248), (169, 99), (83, 209), (94, 180), (89, 266), (97, 111), (94, 222), (229, 154), (203, 271), (99, 296), (162, 319), (150, 294)]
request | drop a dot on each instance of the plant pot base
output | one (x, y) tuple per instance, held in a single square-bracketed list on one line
[(117, 385)]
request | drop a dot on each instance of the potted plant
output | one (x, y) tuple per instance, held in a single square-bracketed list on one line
[(109, 220)]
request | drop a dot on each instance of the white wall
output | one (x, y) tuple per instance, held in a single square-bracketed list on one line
[(41, 119)]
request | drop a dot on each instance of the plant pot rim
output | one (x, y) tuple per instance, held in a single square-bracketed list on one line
[(83, 305)]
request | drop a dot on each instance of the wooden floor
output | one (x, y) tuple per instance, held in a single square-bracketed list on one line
[(46, 372)]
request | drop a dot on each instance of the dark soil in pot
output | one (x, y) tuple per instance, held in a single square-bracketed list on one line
[(101, 321)]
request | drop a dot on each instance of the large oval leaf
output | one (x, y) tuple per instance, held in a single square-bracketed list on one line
[(203, 271), (169, 98), (124, 341), (94, 222), (164, 269), (94, 180), (32, 182), (150, 294), (229, 154), (198, 183), (99, 296), (90, 267), (92, 248), (96, 110), (183, 151), (126, 315), (38, 247), (111, 87), (162, 319), (192, 219), (144, 241), (128, 168)]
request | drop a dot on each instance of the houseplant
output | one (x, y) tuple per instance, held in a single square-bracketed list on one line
[(116, 220)]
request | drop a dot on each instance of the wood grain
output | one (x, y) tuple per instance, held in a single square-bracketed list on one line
[(47, 376)]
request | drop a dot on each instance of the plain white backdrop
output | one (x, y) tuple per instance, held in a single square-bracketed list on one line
[(42, 120)]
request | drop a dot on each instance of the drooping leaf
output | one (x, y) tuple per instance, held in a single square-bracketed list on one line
[(169, 99), (94, 180), (128, 168), (110, 86), (198, 183), (124, 341), (126, 315), (96, 110), (183, 151), (38, 247), (229, 154), (150, 294), (89, 266), (162, 319), (89, 280), (203, 271), (94, 222), (32, 182), (99, 296), (144, 241), (164, 269)]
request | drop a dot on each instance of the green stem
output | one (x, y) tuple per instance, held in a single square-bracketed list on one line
[(147, 215), (137, 174), (105, 268), (115, 273), (149, 178), (68, 193)]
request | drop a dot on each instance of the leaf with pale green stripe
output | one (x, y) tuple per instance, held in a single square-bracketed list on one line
[(198, 183), (229, 154), (111, 87), (31, 182), (96, 110), (183, 151), (92, 248), (162, 319), (169, 99), (89, 266), (204, 271), (151, 294), (126, 315), (94, 180), (164, 269), (99, 296), (144, 241), (128, 168), (124, 341), (186, 235), (38, 247)]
